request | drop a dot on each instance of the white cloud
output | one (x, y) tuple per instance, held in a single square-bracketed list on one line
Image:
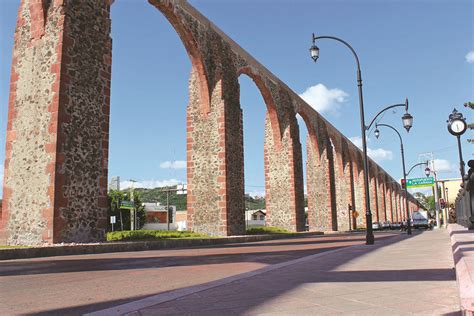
[(470, 57), (442, 165), (178, 164), (149, 184), (380, 154), (323, 99), (377, 154), (356, 140)]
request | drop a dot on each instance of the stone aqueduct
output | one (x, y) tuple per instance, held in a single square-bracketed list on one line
[(55, 182)]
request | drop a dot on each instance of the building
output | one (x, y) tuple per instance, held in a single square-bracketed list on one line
[(157, 217), (255, 218), (451, 189)]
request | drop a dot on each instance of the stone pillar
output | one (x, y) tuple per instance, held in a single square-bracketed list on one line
[(358, 184), (389, 201), (395, 204), (284, 188), (373, 195), (215, 161), (352, 195), (55, 184), (320, 191), (381, 200), (343, 183), (401, 206)]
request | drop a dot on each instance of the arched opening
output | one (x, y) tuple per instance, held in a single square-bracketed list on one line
[(258, 119), (150, 93), (319, 173), (309, 147)]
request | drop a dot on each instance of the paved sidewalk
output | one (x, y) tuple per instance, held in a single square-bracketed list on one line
[(399, 276)]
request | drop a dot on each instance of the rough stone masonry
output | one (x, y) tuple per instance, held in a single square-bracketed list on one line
[(55, 183)]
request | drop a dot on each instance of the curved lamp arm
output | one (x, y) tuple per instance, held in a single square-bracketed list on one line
[(418, 164), (345, 43), (386, 125), (388, 108)]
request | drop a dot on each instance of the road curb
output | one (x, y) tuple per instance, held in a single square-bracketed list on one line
[(82, 249), (462, 243)]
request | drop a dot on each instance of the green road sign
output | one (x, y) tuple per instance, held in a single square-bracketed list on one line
[(128, 205), (420, 182)]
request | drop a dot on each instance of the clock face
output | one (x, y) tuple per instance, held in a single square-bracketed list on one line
[(458, 126)]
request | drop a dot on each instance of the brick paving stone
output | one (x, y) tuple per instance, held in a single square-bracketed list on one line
[(408, 275)]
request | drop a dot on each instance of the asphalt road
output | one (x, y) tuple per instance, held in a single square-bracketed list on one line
[(73, 285)]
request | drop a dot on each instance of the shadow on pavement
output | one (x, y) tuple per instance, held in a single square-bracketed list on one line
[(285, 285)]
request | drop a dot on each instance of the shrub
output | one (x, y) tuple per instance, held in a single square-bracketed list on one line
[(128, 235), (266, 230)]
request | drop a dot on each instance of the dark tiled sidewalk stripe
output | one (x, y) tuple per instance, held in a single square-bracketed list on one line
[(175, 294), (67, 250)]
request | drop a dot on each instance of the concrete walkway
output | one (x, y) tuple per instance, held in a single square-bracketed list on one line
[(400, 276)]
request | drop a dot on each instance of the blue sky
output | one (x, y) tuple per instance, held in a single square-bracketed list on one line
[(423, 50)]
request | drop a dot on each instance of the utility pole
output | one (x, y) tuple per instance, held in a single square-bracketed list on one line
[(168, 209), (436, 197), (445, 210), (133, 210), (429, 156), (181, 189)]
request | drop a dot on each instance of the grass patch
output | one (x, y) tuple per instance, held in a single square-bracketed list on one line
[(267, 230), (143, 235), (12, 247)]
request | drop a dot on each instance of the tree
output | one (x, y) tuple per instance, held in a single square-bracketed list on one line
[(122, 215), (422, 199), (427, 201), (470, 126)]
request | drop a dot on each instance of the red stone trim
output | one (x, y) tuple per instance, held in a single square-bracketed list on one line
[(10, 134)]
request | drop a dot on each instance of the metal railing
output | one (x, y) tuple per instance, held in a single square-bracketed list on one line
[(465, 199)]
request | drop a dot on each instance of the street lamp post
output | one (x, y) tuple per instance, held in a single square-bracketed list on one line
[(377, 134), (314, 50)]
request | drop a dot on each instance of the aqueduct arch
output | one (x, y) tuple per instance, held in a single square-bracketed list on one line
[(55, 183)]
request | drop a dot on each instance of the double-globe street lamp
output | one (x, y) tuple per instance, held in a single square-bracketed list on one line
[(377, 134), (314, 50), (407, 119)]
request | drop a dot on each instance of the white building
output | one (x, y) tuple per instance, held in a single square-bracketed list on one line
[(255, 218)]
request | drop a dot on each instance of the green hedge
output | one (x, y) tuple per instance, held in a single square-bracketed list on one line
[(151, 235), (266, 230)]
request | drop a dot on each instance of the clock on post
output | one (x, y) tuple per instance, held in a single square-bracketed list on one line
[(457, 126), (456, 123)]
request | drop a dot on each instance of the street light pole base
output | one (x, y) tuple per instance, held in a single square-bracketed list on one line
[(369, 240)]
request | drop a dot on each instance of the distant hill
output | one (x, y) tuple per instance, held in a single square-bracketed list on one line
[(254, 203), (157, 195)]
